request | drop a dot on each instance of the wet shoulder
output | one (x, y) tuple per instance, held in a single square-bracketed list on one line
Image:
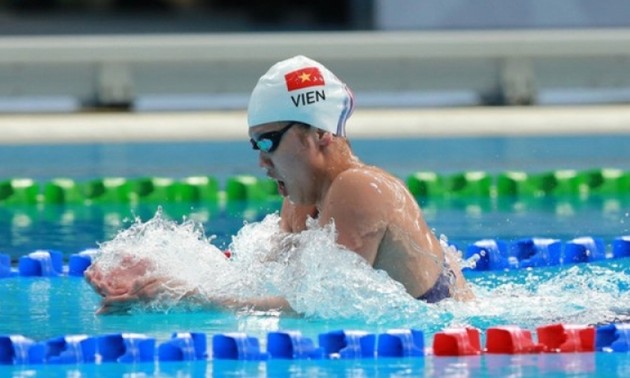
[(366, 178)]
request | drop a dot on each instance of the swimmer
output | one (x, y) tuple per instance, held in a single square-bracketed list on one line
[(297, 116)]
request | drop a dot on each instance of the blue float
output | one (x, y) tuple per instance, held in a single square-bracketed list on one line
[(400, 343), (47, 263), (536, 252), (348, 344), (584, 249), (79, 262), (71, 349), (621, 247), (236, 346), (184, 346), (16, 350), (292, 345), (490, 254), (126, 348), (613, 338)]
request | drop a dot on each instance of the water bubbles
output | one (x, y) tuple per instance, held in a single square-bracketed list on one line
[(323, 281), (319, 278), (580, 294)]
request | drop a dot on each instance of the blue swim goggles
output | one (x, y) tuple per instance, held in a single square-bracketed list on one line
[(269, 142)]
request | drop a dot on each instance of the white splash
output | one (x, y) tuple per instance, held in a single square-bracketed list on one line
[(322, 280), (318, 277), (579, 294)]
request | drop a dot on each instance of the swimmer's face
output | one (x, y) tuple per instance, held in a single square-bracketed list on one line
[(284, 155)]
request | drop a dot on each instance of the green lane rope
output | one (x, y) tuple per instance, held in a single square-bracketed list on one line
[(423, 184)]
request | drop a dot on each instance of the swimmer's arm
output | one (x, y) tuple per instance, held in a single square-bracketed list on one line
[(272, 303), (356, 207), (147, 290)]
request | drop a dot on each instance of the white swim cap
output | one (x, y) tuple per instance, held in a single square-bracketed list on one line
[(303, 90)]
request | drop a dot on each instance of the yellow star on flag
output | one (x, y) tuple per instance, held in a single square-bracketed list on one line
[(305, 77)]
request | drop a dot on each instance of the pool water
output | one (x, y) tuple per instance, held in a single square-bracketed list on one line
[(43, 308), (546, 365), (594, 293), (72, 228), (399, 156)]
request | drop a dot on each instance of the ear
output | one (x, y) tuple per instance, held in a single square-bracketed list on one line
[(325, 138)]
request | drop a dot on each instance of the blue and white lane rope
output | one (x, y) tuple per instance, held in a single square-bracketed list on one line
[(292, 345), (487, 255)]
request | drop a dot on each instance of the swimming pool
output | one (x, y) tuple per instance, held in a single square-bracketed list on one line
[(44, 308)]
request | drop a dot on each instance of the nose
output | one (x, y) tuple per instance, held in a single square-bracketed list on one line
[(264, 160)]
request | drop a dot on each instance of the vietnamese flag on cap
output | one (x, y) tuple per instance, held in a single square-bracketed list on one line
[(304, 78)]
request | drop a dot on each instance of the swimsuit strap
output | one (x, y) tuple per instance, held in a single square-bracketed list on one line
[(442, 287)]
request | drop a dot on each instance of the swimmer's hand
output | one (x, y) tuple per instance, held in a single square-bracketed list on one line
[(134, 282), (143, 289), (124, 285)]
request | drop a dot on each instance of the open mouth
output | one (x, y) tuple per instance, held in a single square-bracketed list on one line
[(282, 189)]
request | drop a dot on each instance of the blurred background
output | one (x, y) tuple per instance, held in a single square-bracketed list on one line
[(143, 90), (177, 16), (145, 55), (120, 71)]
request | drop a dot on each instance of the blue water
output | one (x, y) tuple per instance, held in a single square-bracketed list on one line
[(400, 156), (72, 228), (546, 365), (41, 308)]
